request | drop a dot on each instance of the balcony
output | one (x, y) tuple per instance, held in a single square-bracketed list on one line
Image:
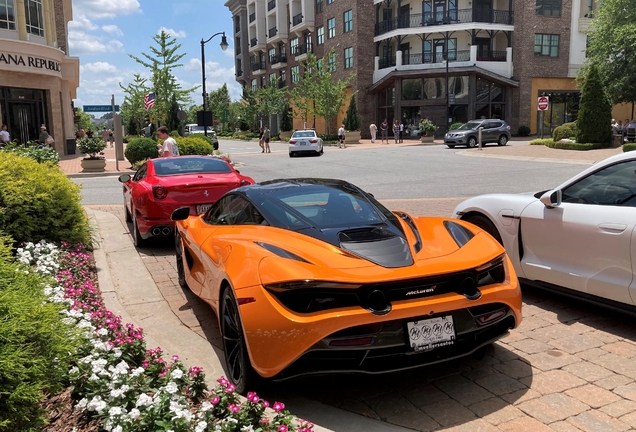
[(239, 73), (253, 42), (271, 5), (301, 50), (238, 50), (297, 19), (237, 28), (278, 61), (272, 32), (258, 68), (461, 16), (252, 17)]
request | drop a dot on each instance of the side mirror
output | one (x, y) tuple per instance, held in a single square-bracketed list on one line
[(124, 178), (551, 198), (180, 214)]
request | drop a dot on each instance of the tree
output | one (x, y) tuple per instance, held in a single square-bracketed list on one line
[(85, 119), (271, 100), (161, 63), (595, 111), (286, 120), (352, 120), (612, 48), (219, 101), (301, 97), (330, 95), (173, 123), (249, 109), (132, 109)]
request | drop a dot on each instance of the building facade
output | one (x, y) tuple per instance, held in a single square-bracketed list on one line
[(38, 79)]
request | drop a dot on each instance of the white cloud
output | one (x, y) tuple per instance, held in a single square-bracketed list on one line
[(100, 9), (81, 22), (173, 33), (84, 43), (98, 67), (113, 29)]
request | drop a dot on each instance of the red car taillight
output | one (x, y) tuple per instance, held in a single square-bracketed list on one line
[(313, 141), (159, 192), (292, 141)]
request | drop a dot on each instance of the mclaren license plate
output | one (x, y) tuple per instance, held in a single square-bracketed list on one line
[(202, 208), (431, 333)]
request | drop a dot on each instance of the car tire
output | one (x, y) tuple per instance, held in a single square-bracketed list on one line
[(291, 154), (180, 267), (484, 223), (127, 213), (237, 361), (138, 240), (450, 145), (322, 151), (503, 140), (472, 142)]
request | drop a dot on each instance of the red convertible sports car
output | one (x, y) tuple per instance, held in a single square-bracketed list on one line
[(162, 185)]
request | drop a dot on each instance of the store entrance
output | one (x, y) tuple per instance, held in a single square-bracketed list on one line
[(22, 123), (23, 111)]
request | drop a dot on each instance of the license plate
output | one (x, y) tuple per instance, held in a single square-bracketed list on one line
[(302, 142), (431, 333), (202, 208)]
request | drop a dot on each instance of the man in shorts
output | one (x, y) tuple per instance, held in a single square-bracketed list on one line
[(266, 137), (341, 137), (384, 128), (169, 144)]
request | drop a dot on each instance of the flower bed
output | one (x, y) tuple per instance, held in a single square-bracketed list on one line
[(129, 388)]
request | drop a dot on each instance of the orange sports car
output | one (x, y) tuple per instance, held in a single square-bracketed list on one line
[(316, 276)]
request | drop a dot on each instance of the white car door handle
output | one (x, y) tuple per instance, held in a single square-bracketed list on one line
[(613, 228)]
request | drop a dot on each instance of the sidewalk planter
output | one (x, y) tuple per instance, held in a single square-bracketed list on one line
[(93, 165), (352, 137), (427, 139)]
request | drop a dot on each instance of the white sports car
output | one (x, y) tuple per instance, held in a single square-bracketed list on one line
[(578, 239)]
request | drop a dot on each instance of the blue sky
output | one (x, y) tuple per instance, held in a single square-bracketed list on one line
[(104, 32)]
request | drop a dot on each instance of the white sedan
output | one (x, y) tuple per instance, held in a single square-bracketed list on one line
[(578, 239), (305, 141)]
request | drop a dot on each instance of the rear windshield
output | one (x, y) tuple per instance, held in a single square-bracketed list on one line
[(469, 126), (309, 134), (190, 165)]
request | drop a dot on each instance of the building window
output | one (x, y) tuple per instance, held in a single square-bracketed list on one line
[(263, 83), (348, 21), (254, 85), (321, 35), (332, 62), (330, 1), (283, 80), (318, 6), (34, 21), (546, 45), (293, 46), (331, 28), (295, 71), (549, 7), (320, 65), (272, 79), (7, 15), (272, 54), (348, 58)]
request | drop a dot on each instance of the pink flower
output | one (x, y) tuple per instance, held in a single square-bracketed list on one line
[(265, 403), (282, 428), (223, 382), (278, 406), (250, 396), (264, 420), (233, 408), (230, 388), (175, 358), (215, 400)]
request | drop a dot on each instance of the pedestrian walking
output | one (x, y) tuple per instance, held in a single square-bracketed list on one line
[(341, 137), (374, 130), (82, 133), (384, 128), (170, 147), (5, 138), (401, 132), (104, 134), (89, 133), (111, 138), (260, 140), (396, 131), (266, 137)]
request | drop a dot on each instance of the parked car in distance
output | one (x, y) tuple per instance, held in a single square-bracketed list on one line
[(305, 141), (196, 129), (577, 239), (164, 184), (314, 276), (494, 131)]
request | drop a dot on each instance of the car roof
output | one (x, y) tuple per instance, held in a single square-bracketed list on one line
[(305, 130)]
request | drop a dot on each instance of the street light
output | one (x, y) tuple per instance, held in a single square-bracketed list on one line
[(447, 121), (224, 46)]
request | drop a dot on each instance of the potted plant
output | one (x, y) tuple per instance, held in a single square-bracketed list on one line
[(427, 128), (93, 148), (352, 123)]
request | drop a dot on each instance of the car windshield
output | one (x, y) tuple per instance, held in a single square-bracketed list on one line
[(200, 129), (469, 126), (304, 134), (322, 207), (190, 165)]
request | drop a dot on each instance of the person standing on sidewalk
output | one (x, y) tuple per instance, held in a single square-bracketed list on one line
[(396, 131), (374, 130), (5, 138), (170, 147), (341, 137), (260, 140), (401, 132), (266, 137), (104, 134), (384, 127)]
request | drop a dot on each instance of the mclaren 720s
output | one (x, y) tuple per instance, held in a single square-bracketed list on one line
[(314, 276)]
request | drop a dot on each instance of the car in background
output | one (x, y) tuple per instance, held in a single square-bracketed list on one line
[(304, 142), (494, 131), (196, 129), (164, 184), (577, 239), (315, 276)]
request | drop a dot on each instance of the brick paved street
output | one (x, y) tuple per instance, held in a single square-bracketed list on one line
[(568, 367)]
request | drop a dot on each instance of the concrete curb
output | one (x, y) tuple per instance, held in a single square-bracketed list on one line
[(526, 158)]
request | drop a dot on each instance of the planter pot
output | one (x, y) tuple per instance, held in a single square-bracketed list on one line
[(428, 139), (352, 137), (93, 165)]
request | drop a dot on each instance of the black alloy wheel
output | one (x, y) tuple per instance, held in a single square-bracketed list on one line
[(472, 142), (484, 223), (239, 369), (138, 240), (179, 253)]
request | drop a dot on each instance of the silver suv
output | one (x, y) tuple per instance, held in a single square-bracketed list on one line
[(494, 131)]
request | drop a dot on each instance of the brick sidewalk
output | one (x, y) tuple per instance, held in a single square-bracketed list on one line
[(71, 164)]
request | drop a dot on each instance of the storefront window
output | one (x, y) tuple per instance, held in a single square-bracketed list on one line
[(7, 15), (411, 89), (564, 108), (434, 88), (34, 21)]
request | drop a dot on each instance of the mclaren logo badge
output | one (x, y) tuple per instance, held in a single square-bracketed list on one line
[(422, 291)]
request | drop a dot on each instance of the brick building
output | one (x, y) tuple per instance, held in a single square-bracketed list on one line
[(448, 60)]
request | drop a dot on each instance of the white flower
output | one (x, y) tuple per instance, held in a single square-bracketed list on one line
[(172, 388), (200, 427), (143, 400), (176, 374), (93, 377), (206, 406), (74, 370), (118, 429), (247, 428), (115, 411), (134, 413), (102, 332), (82, 404), (96, 404), (137, 372)]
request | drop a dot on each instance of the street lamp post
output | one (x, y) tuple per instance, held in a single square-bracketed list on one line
[(447, 121), (224, 46)]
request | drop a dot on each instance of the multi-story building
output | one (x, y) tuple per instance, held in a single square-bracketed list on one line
[(38, 79), (448, 60)]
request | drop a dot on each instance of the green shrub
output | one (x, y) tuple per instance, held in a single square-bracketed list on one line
[(455, 125), (629, 147), (175, 134), (352, 120), (38, 202), (275, 137), (523, 131), (194, 145), (139, 149), (332, 137), (35, 151), (566, 130), (542, 141), (565, 145), (35, 347)]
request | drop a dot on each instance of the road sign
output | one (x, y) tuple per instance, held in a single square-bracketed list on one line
[(542, 103), (182, 115), (99, 108)]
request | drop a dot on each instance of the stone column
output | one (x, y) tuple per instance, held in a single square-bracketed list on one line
[(21, 19), (46, 22)]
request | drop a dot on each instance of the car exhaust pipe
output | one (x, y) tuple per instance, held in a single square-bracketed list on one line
[(156, 231), (166, 231)]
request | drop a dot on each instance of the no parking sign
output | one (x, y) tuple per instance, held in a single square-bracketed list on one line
[(543, 103)]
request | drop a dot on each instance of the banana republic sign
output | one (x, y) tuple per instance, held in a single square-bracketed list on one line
[(32, 62)]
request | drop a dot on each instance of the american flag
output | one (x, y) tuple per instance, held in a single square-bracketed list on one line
[(149, 100)]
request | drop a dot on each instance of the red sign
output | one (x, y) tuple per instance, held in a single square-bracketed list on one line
[(542, 103)]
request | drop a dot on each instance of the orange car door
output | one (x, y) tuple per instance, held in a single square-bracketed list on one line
[(194, 234)]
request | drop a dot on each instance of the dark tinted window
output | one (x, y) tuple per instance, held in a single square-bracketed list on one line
[(494, 125), (141, 172), (226, 210), (469, 126), (190, 165), (304, 134), (614, 185)]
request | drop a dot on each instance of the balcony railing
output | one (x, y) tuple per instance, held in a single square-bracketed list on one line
[(429, 58), (271, 5), (258, 66), (492, 56), (280, 58), (299, 50), (386, 62), (319, 6), (239, 73), (272, 32), (253, 42), (461, 16), (253, 17), (297, 19)]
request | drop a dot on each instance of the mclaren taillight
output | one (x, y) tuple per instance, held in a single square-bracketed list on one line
[(311, 284), (159, 192), (491, 272), (292, 141), (490, 317)]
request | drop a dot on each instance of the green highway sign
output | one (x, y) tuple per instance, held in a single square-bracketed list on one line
[(99, 108)]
